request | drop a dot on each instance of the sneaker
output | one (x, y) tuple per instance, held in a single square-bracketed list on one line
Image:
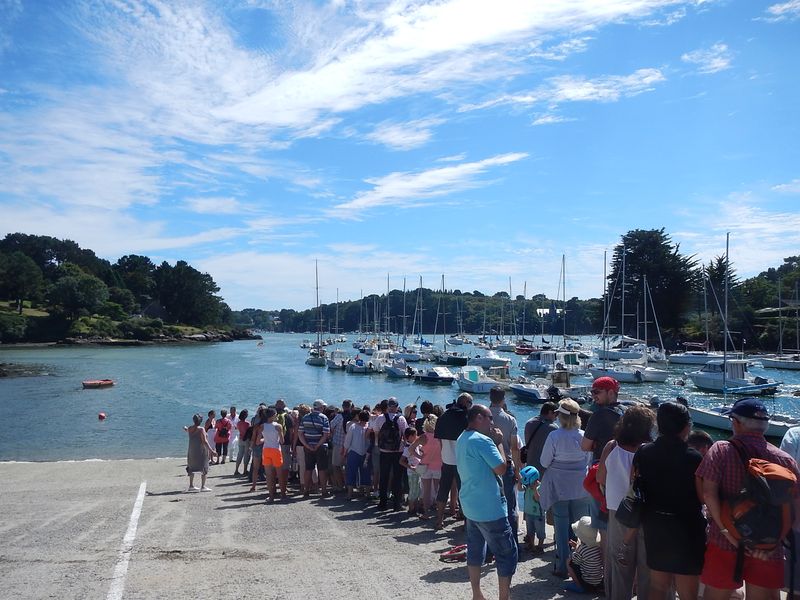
[(193, 489), (205, 488)]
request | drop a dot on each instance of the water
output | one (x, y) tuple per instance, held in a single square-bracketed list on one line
[(159, 388)]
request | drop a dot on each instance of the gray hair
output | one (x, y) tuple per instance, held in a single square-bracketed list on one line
[(754, 425)]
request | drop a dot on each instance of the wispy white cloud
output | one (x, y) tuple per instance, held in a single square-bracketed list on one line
[(793, 187), (570, 88), (214, 205), (563, 50), (411, 189), (453, 158), (549, 119), (784, 11), (404, 136), (710, 60)]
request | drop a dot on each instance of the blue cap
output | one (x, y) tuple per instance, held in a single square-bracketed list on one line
[(751, 408)]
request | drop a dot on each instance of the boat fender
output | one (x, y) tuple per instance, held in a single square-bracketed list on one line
[(101, 416)]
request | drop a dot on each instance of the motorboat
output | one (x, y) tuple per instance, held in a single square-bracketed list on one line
[(434, 375), (624, 348), (630, 373), (732, 377), (782, 361), (536, 391), (474, 380), (94, 384), (360, 366), (490, 358), (718, 417), (337, 360), (539, 362), (452, 359), (699, 356), (398, 369)]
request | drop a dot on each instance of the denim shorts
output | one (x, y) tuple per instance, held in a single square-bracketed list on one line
[(497, 535)]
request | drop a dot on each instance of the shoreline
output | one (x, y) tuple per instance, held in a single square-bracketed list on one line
[(70, 520)]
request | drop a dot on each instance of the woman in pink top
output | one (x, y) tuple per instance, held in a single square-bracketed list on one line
[(222, 435), (431, 461)]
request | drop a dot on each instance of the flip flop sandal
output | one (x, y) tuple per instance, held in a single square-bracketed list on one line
[(454, 554)]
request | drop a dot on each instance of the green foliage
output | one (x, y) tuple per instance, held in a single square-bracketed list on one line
[(144, 329), (113, 311), (99, 326), (78, 293), (188, 295), (20, 278), (12, 327)]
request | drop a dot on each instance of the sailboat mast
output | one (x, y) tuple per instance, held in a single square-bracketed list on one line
[(705, 306), (622, 314), (725, 345), (564, 298), (319, 315), (780, 320)]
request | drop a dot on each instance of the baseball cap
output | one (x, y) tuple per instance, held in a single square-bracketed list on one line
[(751, 408), (568, 407), (606, 383), (319, 404)]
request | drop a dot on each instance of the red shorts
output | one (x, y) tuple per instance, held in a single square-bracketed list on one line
[(272, 457), (719, 566)]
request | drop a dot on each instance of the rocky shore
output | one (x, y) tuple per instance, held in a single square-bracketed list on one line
[(205, 336)]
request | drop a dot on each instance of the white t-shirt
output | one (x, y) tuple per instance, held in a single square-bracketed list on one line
[(618, 476), (449, 452)]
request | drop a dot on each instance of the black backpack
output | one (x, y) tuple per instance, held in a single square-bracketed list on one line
[(389, 434)]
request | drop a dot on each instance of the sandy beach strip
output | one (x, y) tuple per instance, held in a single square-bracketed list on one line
[(69, 527)]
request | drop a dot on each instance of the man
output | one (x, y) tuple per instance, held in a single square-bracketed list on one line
[(536, 431), (285, 420), (338, 425), (508, 426), (599, 430), (315, 429), (389, 428), (722, 476), (480, 460), (233, 446), (449, 426)]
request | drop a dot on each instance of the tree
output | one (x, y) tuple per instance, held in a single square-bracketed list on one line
[(20, 278), (671, 276), (77, 292), (138, 275), (188, 295)]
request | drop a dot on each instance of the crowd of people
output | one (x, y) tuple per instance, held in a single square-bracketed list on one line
[(640, 504)]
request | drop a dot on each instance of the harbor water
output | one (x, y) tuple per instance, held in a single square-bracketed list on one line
[(49, 416)]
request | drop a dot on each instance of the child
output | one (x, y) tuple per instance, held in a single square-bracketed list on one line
[(410, 460), (700, 440), (534, 515), (585, 566)]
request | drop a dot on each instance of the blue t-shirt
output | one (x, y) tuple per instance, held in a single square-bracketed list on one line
[(480, 497)]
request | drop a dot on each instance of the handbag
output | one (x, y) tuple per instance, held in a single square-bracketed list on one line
[(629, 513)]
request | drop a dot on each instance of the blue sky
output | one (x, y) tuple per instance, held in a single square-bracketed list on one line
[(481, 140)]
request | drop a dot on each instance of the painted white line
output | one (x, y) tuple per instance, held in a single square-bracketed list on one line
[(121, 568)]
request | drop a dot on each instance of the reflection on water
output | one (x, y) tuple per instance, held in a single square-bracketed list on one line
[(158, 388)]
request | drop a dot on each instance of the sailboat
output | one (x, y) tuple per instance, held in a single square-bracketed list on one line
[(696, 353), (730, 376), (317, 356), (781, 360)]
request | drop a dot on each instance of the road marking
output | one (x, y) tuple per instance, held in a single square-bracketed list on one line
[(121, 568)]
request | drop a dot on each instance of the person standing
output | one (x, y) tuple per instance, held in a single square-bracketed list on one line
[(722, 475), (449, 427), (606, 411), (243, 450), (197, 456), (233, 441), (210, 430), (222, 435), (338, 431), (315, 430), (481, 462), (508, 425), (286, 421), (536, 431), (389, 428), (271, 456)]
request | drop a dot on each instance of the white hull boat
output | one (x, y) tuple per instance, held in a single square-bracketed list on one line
[(398, 369), (785, 361), (693, 357), (631, 374), (735, 379), (530, 392), (337, 360), (489, 359), (474, 380), (434, 375), (718, 418)]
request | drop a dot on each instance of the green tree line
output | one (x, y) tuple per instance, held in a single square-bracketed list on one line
[(57, 289)]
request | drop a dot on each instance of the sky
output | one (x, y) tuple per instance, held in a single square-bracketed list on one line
[(479, 140)]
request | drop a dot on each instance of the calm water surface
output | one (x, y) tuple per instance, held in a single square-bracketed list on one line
[(158, 388)]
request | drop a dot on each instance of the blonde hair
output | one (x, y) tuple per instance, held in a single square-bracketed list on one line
[(303, 410), (572, 420), (429, 425)]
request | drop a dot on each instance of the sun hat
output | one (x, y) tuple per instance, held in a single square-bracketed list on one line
[(568, 407), (319, 404), (585, 532), (751, 408), (606, 383)]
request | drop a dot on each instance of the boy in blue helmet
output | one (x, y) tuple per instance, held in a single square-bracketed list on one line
[(534, 515)]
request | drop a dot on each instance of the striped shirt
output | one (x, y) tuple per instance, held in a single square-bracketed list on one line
[(314, 426), (590, 561)]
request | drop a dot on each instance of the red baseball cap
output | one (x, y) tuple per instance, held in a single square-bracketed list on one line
[(606, 383)]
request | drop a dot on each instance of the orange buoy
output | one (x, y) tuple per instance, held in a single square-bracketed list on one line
[(101, 416)]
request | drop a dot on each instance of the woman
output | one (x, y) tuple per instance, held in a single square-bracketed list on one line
[(222, 435), (626, 560), (258, 446), (431, 462), (672, 516), (210, 428), (198, 454), (356, 448), (410, 413), (243, 450), (562, 485), (270, 438)]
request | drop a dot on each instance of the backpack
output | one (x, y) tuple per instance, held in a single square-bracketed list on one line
[(223, 432), (759, 516), (389, 435)]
